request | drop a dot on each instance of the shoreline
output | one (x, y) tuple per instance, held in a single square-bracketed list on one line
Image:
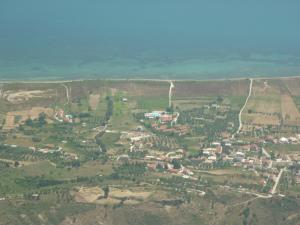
[(55, 81)]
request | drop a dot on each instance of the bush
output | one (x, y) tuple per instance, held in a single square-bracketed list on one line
[(36, 139)]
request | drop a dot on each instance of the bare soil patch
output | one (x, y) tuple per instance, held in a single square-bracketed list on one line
[(20, 96), (88, 194)]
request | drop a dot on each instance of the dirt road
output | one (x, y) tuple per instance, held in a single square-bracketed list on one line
[(67, 93), (242, 109), (277, 181), (170, 93)]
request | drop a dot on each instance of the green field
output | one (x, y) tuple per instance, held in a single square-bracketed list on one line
[(153, 103)]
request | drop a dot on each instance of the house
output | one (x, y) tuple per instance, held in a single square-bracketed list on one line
[(123, 158), (212, 158), (165, 118), (124, 99), (155, 114), (35, 197), (68, 118), (283, 140), (240, 155), (151, 166), (215, 144), (293, 140)]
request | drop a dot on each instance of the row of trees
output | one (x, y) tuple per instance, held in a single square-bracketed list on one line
[(110, 108)]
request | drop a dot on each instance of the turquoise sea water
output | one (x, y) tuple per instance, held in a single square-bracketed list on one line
[(167, 39), (165, 68)]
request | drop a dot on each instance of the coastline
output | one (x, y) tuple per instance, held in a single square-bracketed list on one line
[(36, 81)]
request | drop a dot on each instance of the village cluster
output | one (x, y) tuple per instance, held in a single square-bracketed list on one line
[(166, 122), (221, 153)]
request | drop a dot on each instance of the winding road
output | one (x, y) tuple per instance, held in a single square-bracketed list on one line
[(67, 93), (242, 109)]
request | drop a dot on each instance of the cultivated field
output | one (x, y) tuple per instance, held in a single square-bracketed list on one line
[(290, 112), (93, 101), (271, 103)]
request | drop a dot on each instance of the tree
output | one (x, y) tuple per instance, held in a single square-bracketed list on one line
[(176, 164), (16, 164), (29, 122), (106, 191), (42, 119), (110, 108), (170, 109), (201, 153), (101, 144), (36, 139), (219, 99), (272, 154)]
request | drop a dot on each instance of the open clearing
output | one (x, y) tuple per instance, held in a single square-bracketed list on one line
[(96, 195), (119, 193), (187, 104), (16, 97)]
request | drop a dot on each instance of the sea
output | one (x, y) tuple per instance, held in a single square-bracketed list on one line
[(157, 39)]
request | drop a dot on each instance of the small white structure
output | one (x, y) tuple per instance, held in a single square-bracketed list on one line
[(215, 144), (283, 140), (240, 155)]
